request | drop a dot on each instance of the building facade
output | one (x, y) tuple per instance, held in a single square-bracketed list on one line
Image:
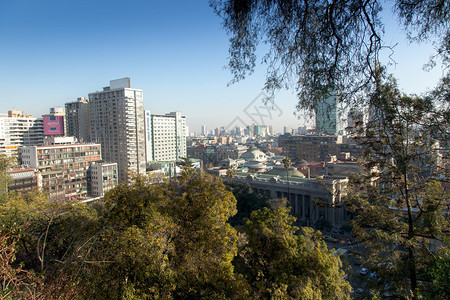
[(204, 130), (165, 136), (103, 177), (311, 200), (310, 147), (77, 119), (17, 130), (329, 115), (117, 123), (54, 122), (62, 169), (229, 151), (24, 180)]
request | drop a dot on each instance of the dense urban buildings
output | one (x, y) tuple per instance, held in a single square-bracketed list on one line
[(62, 169), (114, 119), (117, 124), (18, 129), (310, 147)]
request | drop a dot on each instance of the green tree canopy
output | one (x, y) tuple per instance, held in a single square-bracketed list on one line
[(401, 201), (280, 264), (247, 201), (5, 178), (167, 240)]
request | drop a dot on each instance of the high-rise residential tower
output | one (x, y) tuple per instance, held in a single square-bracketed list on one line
[(204, 130), (166, 136), (77, 119), (329, 115), (117, 123)]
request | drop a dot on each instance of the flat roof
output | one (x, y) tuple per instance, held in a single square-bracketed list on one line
[(61, 146), (21, 170)]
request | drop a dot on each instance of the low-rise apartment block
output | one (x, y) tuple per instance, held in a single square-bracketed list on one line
[(103, 177), (23, 180), (62, 169)]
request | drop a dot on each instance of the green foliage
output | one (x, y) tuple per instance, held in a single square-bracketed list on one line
[(48, 244), (5, 178), (15, 282), (185, 162), (231, 171), (206, 243), (134, 203), (286, 163), (280, 264), (247, 201), (400, 201), (164, 241), (440, 272)]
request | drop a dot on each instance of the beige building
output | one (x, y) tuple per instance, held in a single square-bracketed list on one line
[(229, 151), (24, 180), (311, 200), (117, 124)]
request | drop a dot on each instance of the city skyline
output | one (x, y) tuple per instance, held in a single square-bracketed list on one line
[(55, 52)]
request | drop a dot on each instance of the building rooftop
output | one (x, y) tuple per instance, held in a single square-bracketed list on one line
[(281, 171), (62, 145), (264, 177), (19, 170)]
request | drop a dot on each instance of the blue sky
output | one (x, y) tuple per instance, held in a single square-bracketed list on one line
[(53, 51)]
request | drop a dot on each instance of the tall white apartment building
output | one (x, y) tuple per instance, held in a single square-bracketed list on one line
[(165, 136), (117, 123), (17, 130), (77, 119)]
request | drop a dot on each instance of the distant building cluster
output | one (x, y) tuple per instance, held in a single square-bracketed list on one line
[(322, 158), (312, 188), (92, 144), (85, 148)]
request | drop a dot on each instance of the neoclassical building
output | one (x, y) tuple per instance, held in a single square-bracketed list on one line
[(311, 199)]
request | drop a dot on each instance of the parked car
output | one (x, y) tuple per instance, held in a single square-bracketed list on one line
[(373, 275), (364, 271)]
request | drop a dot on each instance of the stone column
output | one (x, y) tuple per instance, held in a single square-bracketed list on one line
[(316, 208), (302, 198), (332, 213)]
